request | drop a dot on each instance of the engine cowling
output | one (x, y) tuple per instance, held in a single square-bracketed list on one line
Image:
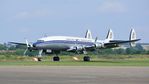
[(99, 45), (75, 48), (78, 48)]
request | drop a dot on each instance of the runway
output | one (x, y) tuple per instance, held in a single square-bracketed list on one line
[(73, 75)]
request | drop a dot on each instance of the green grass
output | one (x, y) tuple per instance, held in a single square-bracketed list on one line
[(112, 60)]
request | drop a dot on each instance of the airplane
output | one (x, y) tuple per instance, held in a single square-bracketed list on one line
[(56, 44)]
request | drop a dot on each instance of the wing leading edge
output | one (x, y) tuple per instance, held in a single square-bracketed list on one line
[(18, 43)]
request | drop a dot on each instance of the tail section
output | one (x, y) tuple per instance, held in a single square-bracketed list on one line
[(88, 34), (132, 37), (110, 35)]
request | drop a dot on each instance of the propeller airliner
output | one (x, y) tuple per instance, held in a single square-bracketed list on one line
[(56, 44)]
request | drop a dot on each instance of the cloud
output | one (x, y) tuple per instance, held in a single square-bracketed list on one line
[(32, 14), (112, 7)]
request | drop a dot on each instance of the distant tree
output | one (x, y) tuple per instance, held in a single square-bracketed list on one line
[(119, 51), (139, 47), (147, 52), (2, 47), (20, 47)]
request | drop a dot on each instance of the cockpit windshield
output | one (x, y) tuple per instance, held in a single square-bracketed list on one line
[(40, 40)]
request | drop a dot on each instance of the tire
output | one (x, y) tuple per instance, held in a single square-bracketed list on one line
[(56, 58), (86, 58), (39, 59)]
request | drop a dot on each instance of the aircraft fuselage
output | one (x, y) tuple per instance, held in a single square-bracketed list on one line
[(62, 43)]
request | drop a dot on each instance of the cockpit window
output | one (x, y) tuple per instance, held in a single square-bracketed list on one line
[(40, 40)]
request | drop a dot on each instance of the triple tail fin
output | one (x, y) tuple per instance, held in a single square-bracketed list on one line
[(132, 37), (110, 35), (88, 34)]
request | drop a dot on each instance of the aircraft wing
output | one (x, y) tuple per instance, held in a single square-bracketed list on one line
[(18, 43), (117, 42)]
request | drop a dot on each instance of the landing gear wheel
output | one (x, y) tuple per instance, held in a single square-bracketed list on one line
[(56, 58), (86, 58), (39, 59)]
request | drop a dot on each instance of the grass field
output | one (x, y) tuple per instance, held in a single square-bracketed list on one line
[(110, 60)]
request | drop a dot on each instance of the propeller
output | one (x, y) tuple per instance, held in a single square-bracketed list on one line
[(25, 51), (27, 43), (29, 46), (96, 39), (96, 44)]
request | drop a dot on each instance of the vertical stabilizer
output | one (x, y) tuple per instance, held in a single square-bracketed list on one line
[(88, 34), (110, 35), (132, 37)]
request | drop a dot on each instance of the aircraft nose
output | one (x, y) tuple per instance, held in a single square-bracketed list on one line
[(34, 45)]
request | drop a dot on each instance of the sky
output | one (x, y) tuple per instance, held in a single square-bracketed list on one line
[(33, 19)]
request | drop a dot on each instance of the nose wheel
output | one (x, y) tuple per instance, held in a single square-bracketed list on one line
[(86, 58)]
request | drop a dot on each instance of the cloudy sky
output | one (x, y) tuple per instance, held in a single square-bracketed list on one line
[(33, 19)]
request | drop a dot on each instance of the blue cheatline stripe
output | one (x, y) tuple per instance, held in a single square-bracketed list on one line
[(66, 42)]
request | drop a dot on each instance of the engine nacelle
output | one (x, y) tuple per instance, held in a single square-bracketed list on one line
[(78, 48), (75, 48), (99, 45)]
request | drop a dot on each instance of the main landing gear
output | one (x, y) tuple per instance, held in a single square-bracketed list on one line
[(86, 58), (56, 58)]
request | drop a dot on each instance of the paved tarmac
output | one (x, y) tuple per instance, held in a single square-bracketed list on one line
[(73, 75)]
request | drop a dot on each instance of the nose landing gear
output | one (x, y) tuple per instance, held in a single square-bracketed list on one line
[(86, 58)]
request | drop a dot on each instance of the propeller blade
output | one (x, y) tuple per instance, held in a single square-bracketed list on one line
[(96, 39), (25, 52), (27, 43)]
